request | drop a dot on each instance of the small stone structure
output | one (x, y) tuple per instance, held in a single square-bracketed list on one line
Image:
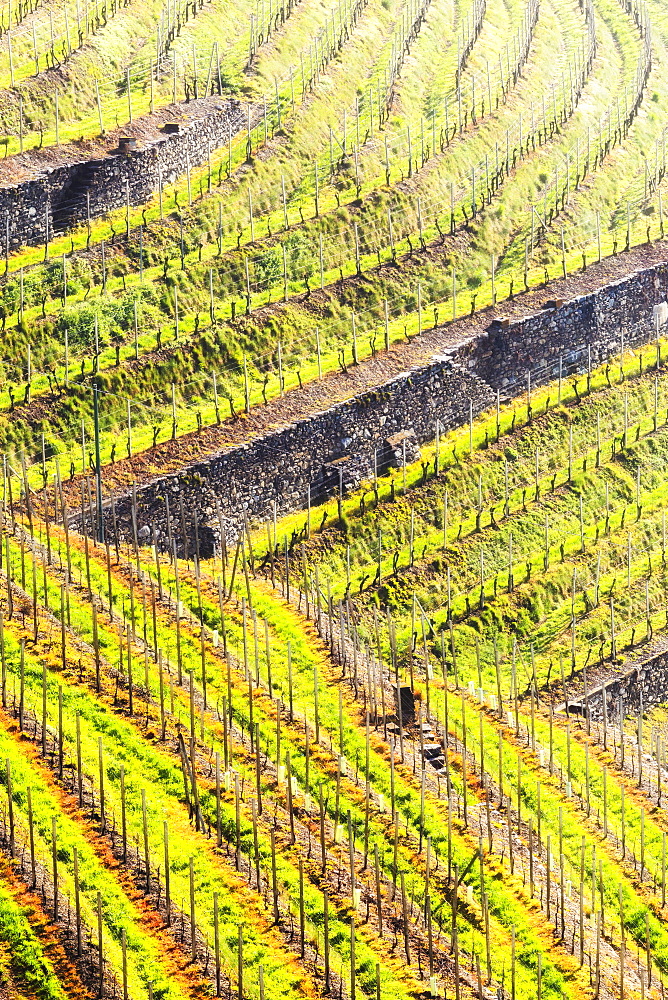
[(403, 695)]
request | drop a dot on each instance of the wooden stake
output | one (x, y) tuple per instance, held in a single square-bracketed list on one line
[(124, 949), (240, 965), (100, 949), (216, 940), (54, 856), (193, 927), (101, 769), (31, 832), (124, 829), (326, 938), (77, 901)]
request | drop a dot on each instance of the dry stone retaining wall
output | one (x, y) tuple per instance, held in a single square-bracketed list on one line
[(592, 326), (351, 436), (639, 689), (244, 481), (63, 195)]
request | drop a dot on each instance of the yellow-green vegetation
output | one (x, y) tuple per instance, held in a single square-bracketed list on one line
[(209, 783)]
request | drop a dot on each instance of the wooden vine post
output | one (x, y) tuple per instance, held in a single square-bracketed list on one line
[(216, 942)]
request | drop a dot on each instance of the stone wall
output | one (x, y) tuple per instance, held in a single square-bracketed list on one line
[(337, 447), (63, 195), (591, 325), (340, 447), (639, 689)]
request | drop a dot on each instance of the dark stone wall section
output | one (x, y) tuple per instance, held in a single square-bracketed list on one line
[(62, 196), (594, 325), (342, 445), (245, 481), (636, 691)]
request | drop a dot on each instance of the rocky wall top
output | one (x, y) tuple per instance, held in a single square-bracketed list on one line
[(637, 690)]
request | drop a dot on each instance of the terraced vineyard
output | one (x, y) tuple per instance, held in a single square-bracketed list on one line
[(384, 735)]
